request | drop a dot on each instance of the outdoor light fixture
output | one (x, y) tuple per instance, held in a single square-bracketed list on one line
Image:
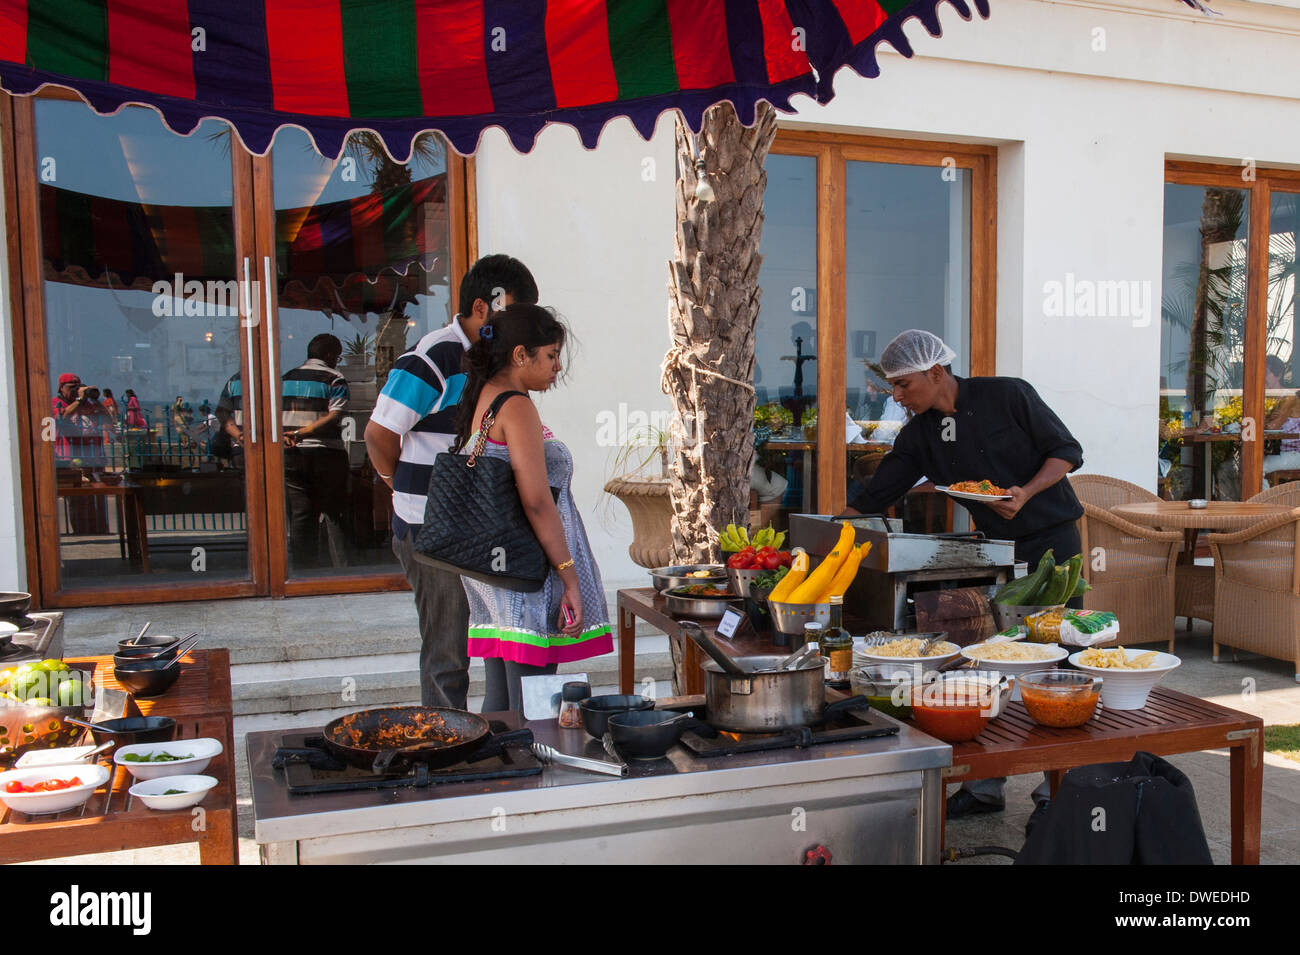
[(703, 188)]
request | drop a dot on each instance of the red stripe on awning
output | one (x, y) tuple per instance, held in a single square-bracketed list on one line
[(367, 213), (149, 46), (700, 50), (784, 62), (453, 68), (304, 41), (13, 30), (112, 231), (861, 17), (577, 46), (176, 231)]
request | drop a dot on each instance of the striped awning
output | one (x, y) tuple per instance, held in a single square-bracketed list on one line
[(367, 254), (400, 67)]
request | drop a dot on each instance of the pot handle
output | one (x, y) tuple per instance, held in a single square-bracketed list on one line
[(710, 646)]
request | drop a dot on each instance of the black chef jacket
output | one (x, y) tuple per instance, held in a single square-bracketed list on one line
[(1001, 431)]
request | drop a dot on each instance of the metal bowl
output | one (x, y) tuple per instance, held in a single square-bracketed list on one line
[(706, 607), (743, 580), (24, 728), (14, 604), (790, 618), (666, 578)]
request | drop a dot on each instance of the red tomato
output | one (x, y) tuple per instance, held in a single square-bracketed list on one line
[(786, 558), (13, 786), (736, 561), (771, 561)]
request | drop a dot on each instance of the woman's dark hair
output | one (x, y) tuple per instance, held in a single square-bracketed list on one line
[(531, 326), (108, 392), (130, 393)]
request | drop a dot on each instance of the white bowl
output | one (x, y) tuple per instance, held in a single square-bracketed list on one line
[(1128, 689), (150, 791), (1055, 655), (92, 777), (915, 667), (201, 752)]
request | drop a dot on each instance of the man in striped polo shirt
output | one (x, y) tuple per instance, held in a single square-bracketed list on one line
[(312, 399), (413, 422)]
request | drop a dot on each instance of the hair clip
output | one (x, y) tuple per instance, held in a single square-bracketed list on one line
[(486, 333)]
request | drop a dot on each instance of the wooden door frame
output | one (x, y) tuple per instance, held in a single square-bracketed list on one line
[(463, 246), (1259, 191), (251, 207), (833, 150), (31, 377)]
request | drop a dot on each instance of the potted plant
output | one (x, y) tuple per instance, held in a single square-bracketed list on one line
[(357, 355), (645, 495)]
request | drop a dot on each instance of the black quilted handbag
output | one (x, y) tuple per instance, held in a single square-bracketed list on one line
[(474, 523)]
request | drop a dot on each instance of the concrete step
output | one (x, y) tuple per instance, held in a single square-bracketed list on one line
[(393, 679), (262, 630)]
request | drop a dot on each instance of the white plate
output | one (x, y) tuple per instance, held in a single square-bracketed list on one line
[(967, 496), (62, 756), (38, 804), (7, 627), (150, 791), (201, 752)]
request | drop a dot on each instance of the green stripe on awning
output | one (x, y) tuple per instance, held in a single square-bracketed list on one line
[(641, 46), (78, 47), (893, 6), (379, 58), (217, 240), (76, 233)]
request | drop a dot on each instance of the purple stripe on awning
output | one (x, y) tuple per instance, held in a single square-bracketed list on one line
[(520, 74), (234, 68)]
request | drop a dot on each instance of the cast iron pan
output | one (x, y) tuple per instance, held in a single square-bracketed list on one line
[(377, 739)]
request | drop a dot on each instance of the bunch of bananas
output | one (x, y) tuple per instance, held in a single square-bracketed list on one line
[(734, 538)]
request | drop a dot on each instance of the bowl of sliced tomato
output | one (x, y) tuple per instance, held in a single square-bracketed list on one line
[(49, 789)]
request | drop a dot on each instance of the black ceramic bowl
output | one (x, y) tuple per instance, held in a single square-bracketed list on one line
[(147, 646), (147, 677), (596, 710), (14, 604), (136, 729), (142, 654), (647, 734)]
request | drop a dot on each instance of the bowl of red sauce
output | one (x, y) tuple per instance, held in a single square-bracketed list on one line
[(957, 709), (1060, 698)]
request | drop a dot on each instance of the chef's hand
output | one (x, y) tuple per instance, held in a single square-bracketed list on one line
[(573, 600), (1009, 509)]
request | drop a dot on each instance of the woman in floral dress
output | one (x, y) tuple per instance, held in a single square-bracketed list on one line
[(526, 634)]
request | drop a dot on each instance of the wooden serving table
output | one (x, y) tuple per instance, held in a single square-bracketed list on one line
[(645, 603), (1170, 723), (200, 703), (132, 532)]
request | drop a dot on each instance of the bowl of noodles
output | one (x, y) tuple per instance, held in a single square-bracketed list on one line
[(900, 653), (1013, 657), (1127, 675)]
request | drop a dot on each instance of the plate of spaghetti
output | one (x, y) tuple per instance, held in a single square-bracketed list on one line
[(975, 491)]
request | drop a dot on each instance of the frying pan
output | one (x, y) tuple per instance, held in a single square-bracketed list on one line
[(377, 739)]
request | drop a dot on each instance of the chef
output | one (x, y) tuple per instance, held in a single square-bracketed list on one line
[(972, 429)]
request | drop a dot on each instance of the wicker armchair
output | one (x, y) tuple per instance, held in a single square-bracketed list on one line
[(1257, 588), (1138, 582), (1193, 585), (1107, 492), (1284, 495)]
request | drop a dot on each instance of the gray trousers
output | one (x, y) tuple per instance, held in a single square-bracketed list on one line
[(444, 628)]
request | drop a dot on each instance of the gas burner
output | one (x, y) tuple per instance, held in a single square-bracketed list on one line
[(309, 768), (846, 720)]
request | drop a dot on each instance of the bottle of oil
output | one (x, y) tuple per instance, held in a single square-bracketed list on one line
[(837, 647)]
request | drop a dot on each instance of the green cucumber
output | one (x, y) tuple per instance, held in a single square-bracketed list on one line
[(1081, 588), (1054, 592), (1075, 564), (1016, 592)]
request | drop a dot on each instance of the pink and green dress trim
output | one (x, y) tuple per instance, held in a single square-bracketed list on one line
[(534, 649)]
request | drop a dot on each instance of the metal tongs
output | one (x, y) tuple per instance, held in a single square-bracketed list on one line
[(550, 755)]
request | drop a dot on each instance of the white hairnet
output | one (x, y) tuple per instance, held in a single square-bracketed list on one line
[(912, 351)]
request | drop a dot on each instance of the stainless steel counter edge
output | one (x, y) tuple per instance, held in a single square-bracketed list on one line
[(564, 789)]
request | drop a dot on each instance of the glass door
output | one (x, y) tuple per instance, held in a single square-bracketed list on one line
[(145, 451), (355, 265)]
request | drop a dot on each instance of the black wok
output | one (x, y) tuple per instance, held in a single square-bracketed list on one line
[(382, 739)]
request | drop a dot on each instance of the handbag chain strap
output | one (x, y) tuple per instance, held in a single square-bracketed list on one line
[(489, 418)]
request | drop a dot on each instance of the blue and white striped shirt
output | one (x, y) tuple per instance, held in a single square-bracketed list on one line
[(419, 403)]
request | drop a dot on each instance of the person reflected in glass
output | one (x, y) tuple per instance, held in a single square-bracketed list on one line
[(1285, 416), (313, 397), (134, 414), (79, 443), (228, 443)]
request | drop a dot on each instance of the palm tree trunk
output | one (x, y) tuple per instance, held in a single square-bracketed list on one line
[(713, 309)]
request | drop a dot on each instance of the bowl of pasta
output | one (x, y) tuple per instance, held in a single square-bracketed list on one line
[(1014, 657), (1128, 675)]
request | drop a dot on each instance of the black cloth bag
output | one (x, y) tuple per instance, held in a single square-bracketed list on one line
[(1142, 812), (474, 523)]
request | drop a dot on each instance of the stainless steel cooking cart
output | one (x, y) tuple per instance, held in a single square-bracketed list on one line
[(866, 801)]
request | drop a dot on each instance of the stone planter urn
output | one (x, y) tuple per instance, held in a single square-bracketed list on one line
[(651, 508)]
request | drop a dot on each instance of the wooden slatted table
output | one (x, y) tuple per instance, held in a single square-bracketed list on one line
[(200, 703), (1170, 723)]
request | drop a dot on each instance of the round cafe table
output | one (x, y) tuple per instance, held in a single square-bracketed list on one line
[(1177, 516)]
